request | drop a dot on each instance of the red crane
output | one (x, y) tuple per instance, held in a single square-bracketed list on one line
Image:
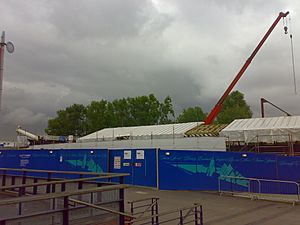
[(215, 111)]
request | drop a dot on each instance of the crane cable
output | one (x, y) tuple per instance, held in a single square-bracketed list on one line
[(293, 58), (285, 25)]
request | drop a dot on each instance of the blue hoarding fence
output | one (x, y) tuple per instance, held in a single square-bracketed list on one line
[(168, 169), (140, 163), (61, 160)]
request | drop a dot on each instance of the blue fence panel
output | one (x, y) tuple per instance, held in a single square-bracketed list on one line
[(61, 160), (139, 163), (87, 160), (288, 168), (144, 170), (31, 159), (200, 170), (119, 164)]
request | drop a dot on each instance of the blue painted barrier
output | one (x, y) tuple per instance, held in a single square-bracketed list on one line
[(177, 169), (140, 163)]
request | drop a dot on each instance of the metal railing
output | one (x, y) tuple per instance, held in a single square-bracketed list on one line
[(257, 188), (145, 207), (54, 196), (182, 216), (61, 213)]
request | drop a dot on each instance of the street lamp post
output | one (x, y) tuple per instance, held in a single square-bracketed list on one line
[(10, 48)]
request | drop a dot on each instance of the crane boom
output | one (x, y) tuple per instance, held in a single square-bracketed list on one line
[(214, 112)]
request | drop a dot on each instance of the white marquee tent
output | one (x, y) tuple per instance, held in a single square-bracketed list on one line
[(268, 130)]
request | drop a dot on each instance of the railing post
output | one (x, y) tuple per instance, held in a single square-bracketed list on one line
[(259, 187), (63, 187), (35, 180), (152, 211), (249, 187), (66, 211), (298, 187), (48, 185), (196, 214), (24, 177), (156, 211), (121, 202), (80, 184), (3, 177), (219, 184), (13, 180), (131, 208), (180, 218), (201, 215)]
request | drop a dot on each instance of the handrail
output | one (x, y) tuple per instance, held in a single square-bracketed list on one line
[(40, 197), (60, 181), (54, 171)]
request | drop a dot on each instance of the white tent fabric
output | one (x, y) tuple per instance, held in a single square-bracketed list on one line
[(268, 130), (142, 131)]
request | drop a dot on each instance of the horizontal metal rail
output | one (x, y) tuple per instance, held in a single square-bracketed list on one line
[(53, 171), (61, 181), (101, 208), (41, 197), (47, 212)]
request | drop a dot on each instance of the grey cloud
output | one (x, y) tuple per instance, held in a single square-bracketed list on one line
[(78, 51)]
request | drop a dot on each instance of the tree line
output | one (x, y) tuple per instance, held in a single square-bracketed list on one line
[(80, 120)]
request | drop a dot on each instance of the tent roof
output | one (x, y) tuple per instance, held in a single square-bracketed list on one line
[(152, 130), (282, 122)]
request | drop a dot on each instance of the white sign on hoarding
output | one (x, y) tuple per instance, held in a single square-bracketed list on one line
[(140, 154), (127, 154), (117, 162)]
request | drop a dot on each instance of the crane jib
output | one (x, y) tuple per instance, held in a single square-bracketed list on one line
[(214, 112)]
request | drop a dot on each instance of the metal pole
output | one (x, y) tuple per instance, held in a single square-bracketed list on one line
[(262, 100), (180, 218), (2, 44), (157, 168), (66, 211), (121, 203)]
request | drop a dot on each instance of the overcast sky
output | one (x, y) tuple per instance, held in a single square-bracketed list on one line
[(69, 51)]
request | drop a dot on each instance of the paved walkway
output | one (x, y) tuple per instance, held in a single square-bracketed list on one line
[(223, 210)]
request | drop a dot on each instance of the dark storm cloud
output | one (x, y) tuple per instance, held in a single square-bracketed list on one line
[(78, 51)]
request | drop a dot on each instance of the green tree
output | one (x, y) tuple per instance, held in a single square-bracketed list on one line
[(234, 107), (137, 111), (121, 112), (166, 111), (71, 121), (144, 110), (191, 114), (96, 116)]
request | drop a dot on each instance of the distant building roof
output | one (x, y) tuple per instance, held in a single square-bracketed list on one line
[(154, 131)]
